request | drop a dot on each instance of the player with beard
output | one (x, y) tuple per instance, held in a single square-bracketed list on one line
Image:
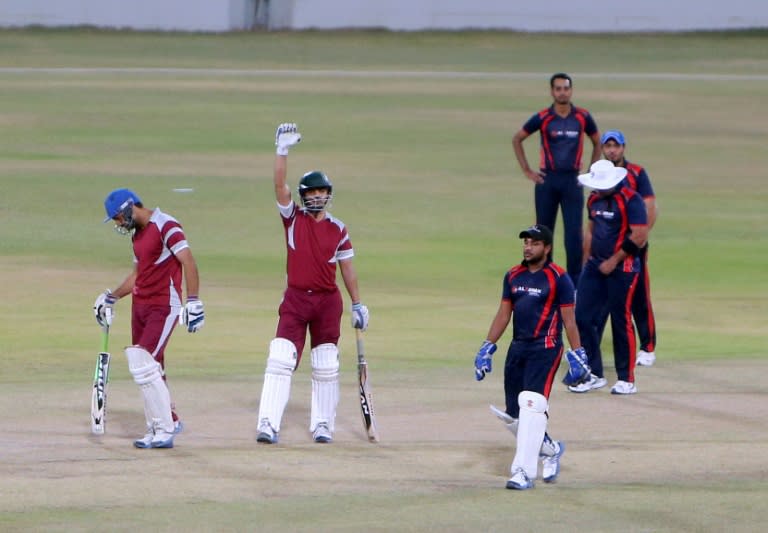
[(538, 296)]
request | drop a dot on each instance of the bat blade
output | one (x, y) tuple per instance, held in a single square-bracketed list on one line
[(366, 397), (99, 393)]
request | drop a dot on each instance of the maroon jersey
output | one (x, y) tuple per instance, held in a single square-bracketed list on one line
[(158, 278), (314, 248)]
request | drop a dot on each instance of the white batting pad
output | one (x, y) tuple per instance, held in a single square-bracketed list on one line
[(148, 375), (530, 431), (277, 381), (325, 385)]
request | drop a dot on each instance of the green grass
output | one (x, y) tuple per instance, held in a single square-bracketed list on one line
[(424, 177)]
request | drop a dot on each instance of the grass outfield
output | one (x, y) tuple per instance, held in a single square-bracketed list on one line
[(424, 175)]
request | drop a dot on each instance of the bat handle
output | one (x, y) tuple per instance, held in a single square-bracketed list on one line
[(360, 350)]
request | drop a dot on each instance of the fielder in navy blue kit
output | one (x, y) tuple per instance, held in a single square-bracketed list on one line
[(614, 144), (562, 127), (617, 231), (538, 296)]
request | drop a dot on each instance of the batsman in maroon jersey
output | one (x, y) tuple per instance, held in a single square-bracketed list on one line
[(161, 257), (316, 243)]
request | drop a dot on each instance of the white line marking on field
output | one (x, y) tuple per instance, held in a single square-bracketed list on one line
[(657, 76)]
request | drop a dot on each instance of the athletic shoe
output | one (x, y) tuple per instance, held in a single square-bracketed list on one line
[(146, 440), (322, 434), (594, 382), (551, 464), (519, 480), (623, 387), (162, 439), (645, 358), (266, 433)]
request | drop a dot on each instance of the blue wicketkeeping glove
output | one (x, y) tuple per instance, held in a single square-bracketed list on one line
[(578, 367), (483, 359)]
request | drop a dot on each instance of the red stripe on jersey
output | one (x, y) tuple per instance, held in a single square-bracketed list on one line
[(552, 329), (581, 117), (546, 149), (551, 373)]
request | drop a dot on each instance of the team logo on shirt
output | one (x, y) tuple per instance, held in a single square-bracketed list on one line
[(533, 291), (571, 134), (608, 215)]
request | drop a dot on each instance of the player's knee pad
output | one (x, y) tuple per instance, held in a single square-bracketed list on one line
[(142, 365), (325, 362), (532, 402), (282, 357)]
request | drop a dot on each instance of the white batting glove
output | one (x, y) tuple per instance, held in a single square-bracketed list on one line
[(193, 315), (103, 308), (359, 316), (286, 136)]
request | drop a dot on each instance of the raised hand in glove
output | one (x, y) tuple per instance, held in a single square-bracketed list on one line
[(286, 136), (359, 316), (193, 315), (103, 308), (578, 367), (483, 359)]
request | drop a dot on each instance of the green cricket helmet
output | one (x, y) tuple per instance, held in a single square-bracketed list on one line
[(311, 181)]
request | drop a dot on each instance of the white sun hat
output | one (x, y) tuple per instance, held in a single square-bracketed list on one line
[(603, 175)]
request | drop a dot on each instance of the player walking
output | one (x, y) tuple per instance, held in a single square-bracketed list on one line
[(637, 179), (316, 242), (616, 233), (562, 127), (161, 255), (541, 294)]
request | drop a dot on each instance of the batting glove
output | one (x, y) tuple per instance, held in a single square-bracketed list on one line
[(286, 136), (103, 308), (193, 315), (359, 316), (483, 359), (578, 367)]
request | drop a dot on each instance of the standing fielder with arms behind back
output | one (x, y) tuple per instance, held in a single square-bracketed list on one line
[(637, 179), (160, 255), (316, 242), (541, 294), (562, 127)]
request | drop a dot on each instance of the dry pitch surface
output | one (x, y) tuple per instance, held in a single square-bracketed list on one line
[(657, 461)]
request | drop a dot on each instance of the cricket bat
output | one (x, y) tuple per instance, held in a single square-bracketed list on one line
[(366, 399), (100, 380)]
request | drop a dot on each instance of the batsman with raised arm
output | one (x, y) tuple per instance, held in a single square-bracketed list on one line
[(541, 294), (161, 255), (316, 242)]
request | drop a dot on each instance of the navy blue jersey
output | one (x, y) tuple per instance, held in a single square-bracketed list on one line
[(637, 179), (561, 138), (536, 299), (611, 217)]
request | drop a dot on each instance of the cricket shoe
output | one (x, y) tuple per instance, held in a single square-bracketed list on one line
[(266, 433), (322, 434), (592, 383), (519, 480), (623, 387), (155, 438), (645, 358), (550, 465)]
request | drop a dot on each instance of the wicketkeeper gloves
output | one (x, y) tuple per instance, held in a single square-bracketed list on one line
[(483, 359)]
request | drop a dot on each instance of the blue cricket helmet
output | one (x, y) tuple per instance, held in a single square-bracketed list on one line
[(119, 199)]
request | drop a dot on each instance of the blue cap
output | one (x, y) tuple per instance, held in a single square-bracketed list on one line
[(118, 200), (616, 135)]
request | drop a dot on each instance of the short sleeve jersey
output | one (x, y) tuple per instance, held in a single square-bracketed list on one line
[(537, 298), (314, 248), (158, 271), (637, 179), (611, 218), (561, 137)]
